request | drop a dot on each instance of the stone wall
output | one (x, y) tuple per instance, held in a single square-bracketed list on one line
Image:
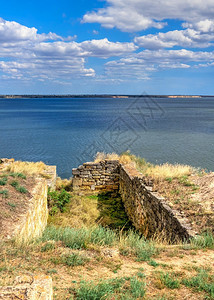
[(33, 222), (29, 288), (148, 212), (102, 176), (50, 175)]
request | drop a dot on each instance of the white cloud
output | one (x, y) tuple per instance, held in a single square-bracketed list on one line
[(15, 32), (97, 48), (141, 65), (26, 54), (184, 38), (137, 15), (104, 48), (182, 55)]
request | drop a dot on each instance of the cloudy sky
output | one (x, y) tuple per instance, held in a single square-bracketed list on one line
[(107, 46)]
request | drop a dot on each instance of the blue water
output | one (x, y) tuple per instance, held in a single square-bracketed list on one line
[(67, 132)]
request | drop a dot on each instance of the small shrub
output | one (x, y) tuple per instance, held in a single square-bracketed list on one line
[(19, 188), (58, 200)]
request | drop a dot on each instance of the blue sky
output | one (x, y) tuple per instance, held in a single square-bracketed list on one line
[(113, 46)]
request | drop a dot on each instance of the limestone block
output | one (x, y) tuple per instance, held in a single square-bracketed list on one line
[(29, 288)]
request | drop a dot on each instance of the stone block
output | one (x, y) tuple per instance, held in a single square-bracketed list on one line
[(77, 182), (29, 288)]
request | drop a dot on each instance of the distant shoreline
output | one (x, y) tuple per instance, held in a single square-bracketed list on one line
[(102, 96)]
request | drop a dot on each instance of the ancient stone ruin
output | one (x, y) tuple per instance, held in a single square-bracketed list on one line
[(147, 210)]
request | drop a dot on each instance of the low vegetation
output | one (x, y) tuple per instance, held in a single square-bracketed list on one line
[(158, 172), (27, 168), (91, 251), (57, 201)]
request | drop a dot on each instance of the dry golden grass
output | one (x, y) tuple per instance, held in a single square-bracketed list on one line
[(125, 159), (26, 167), (80, 212), (169, 171), (63, 183), (154, 171), (102, 156)]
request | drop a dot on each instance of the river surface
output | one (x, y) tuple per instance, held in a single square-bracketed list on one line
[(67, 132)]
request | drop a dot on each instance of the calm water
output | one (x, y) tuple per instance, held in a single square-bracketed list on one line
[(67, 132)]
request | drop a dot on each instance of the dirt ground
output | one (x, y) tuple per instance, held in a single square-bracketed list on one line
[(105, 263), (194, 196), (13, 203)]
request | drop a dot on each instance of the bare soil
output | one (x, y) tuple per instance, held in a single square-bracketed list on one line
[(14, 203), (193, 196), (171, 259)]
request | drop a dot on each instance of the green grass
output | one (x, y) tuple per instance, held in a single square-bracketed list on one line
[(201, 282), (74, 259), (3, 180), (80, 238), (15, 184), (4, 193), (19, 188), (20, 175), (22, 189), (12, 205), (153, 263), (57, 201), (204, 241), (185, 181), (169, 280), (47, 247), (117, 288), (112, 211), (134, 243)]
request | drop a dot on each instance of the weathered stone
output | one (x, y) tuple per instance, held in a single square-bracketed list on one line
[(146, 209), (77, 182), (29, 288)]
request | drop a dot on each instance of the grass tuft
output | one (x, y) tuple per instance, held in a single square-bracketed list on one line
[(132, 242), (169, 281), (201, 282), (117, 288)]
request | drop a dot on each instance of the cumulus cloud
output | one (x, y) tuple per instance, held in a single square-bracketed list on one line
[(137, 15), (27, 54), (198, 35), (97, 48), (15, 32), (142, 64)]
